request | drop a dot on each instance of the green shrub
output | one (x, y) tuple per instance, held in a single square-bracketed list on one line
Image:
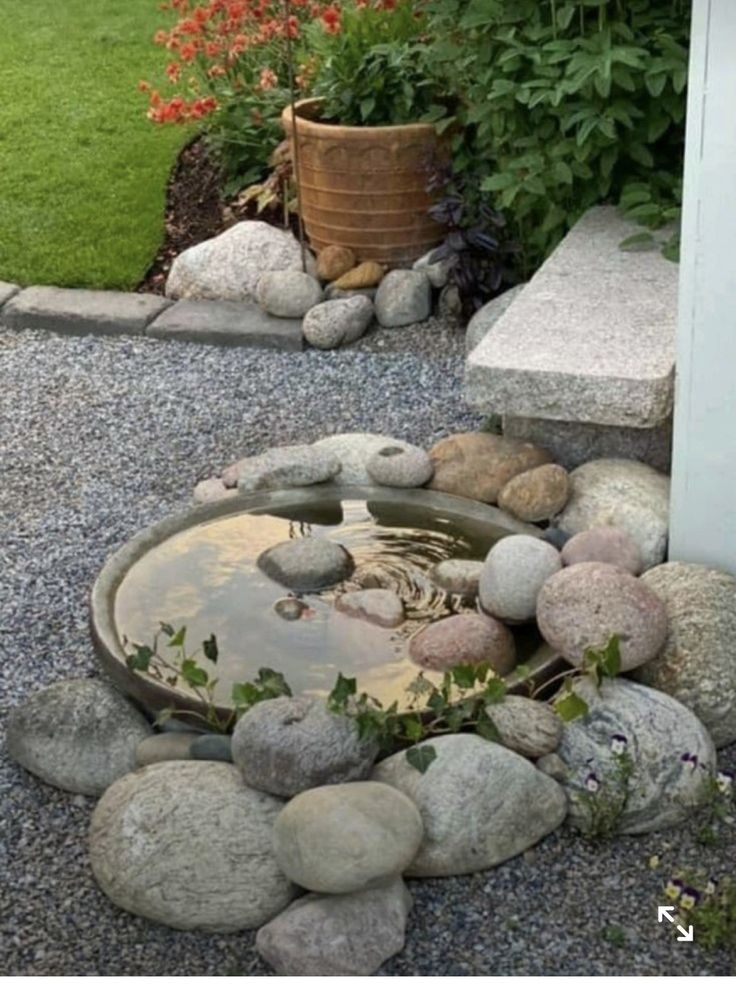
[(565, 104)]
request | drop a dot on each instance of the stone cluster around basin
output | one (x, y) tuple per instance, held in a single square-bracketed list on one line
[(334, 296), (301, 802)]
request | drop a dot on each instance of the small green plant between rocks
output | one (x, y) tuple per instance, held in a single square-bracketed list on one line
[(459, 702)]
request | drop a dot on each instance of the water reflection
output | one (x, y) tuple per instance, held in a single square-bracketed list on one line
[(206, 577)]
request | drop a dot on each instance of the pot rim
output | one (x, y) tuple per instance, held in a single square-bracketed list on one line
[(305, 124)]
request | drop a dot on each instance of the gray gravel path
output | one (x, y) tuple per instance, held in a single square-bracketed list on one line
[(101, 437)]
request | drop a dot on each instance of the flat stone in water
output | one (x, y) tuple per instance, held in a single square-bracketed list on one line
[(308, 564), (377, 605), (458, 576)]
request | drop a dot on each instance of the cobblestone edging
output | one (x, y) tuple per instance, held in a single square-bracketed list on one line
[(108, 312)]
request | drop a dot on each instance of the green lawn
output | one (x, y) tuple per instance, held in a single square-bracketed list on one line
[(82, 171)]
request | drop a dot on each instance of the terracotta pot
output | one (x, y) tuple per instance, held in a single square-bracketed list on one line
[(366, 186)]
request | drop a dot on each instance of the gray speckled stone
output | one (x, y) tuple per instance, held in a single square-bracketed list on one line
[(307, 564), (237, 323), (591, 337), (337, 322), (188, 844), (664, 789), (288, 293), (400, 467), (438, 272), (286, 745), (82, 312), (337, 935), (697, 665), (7, 291), (287, 467), (79, 735), (480, 804), (347, 838), (404, 297), (353, 450), (513, 573), (377, 605), (458, 576), (583, 606), (622, 493), (166, 747), (526, 726), (229, 266)]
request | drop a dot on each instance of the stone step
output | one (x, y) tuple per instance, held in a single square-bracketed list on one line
[(81, 312), (227, 323), (590, 339)]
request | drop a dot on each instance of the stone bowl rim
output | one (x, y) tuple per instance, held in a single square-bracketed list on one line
[(155, 696)]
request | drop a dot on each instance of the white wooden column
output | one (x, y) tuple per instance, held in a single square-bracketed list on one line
[(703, 508)]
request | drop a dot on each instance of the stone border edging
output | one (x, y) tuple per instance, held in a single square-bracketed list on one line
[(73, 311)]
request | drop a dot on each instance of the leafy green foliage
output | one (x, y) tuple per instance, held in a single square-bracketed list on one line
[(374, 71), (604, 798), (565, 104)]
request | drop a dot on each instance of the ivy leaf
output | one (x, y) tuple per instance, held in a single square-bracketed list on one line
[(167, 629), (140, 658), (244, 694), (413, 728), (273, 683), (421, 757), (570, 706), (194, 675), (177, 640), (344, 689), (485, 728), (464, 677), (495, 691), (209, 648)]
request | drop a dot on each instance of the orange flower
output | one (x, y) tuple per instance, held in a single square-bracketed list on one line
[(268, 79), (331, 20)]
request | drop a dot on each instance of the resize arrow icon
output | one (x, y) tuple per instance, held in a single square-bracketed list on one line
[(684, 935), (663, 912)]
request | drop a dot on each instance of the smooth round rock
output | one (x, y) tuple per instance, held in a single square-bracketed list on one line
[(288, 293), (337, 322), (476, 465), (537, 494), (513, 573), (697, 664), (581, 607), (212, 490), (166, 747), (79, 735), (334, 261), (188, 844), (212, 748), (286, 745), (526, 726), (624, 493), (404, 297), (287, 467), (307, 564), (290, 609), (468, 638), (377, 605), (480, 804), (353, 450), (672, 754), (337, 935), (337, 839), (604, 545), (458, 576), (400, 467)]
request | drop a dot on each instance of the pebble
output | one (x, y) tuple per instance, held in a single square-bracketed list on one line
[(337, 322), (334, 261), (377, 605), (212, 748), (400, 467), (288, 293), (164, 747), (467, 638), (606, 545), (477, 465), (306, 564), (458, 577), (212, 490), (287, 467), (537, 494), (404, 297), (513, 574)]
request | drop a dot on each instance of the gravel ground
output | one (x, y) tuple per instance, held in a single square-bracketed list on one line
[(101, 437)]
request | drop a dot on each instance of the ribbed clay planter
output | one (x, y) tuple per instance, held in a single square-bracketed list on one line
[(366, 186)]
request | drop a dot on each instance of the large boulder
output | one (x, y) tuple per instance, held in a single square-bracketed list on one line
[(188, 844), (228, 267), (480, 804), (697, 664), (513, 574), (337, 935), (289, 744), (583, 606), (468, 638), (79, 735), (338, 839), (292, 466), (671, 754), (353, 450), (476, 465), (306, 564), (624, 493)]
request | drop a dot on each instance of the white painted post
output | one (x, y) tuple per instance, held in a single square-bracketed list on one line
[(703, 505)]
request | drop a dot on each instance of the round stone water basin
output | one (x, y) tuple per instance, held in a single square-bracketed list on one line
[(199, 570)]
